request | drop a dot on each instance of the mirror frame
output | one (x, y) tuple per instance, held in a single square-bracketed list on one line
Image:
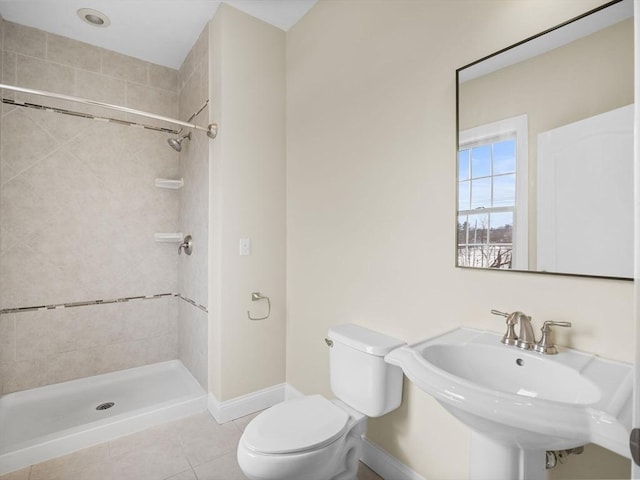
[(457, 136)]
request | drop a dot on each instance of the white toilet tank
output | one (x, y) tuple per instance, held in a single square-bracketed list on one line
[(359, 375)]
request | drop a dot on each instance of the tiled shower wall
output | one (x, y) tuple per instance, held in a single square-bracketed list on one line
[(193, 86), (78, 213)]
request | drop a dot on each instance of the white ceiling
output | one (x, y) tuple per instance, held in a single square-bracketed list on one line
[(158, 31)]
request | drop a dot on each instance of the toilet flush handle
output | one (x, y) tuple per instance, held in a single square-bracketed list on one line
[(329, 342)]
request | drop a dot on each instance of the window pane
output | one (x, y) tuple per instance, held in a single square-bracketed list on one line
[(478, 227), (481, 193), (481, 161), (463, 165), (463, 195), (504, 190), (501, 227), (462, 229), (504, 157)]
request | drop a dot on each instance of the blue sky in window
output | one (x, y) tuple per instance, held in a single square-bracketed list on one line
[(475, 167), (481, 161), (504, 157)]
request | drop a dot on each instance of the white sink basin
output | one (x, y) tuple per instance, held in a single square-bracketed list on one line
[(523, 398)]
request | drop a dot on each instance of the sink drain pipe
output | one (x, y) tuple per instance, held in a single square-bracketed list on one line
[(555, 456)]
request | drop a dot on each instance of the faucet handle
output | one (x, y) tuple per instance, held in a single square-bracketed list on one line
[(510, 337), (545, 345), (557, 324)]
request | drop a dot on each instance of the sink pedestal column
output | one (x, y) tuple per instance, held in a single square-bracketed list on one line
[(492, 460)]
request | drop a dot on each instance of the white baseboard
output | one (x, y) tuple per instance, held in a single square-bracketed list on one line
[(385, 465), (253, 402)]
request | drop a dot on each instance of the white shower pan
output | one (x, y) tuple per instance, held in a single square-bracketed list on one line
[(46, 422)]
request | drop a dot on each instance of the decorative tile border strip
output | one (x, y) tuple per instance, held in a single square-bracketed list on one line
[(90, 302), (192, 302)]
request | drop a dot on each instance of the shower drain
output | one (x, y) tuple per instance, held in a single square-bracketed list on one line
[(105, 406)]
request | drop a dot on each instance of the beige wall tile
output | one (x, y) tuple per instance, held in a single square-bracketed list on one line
[(125, 67), (193, 334), (153, 100), (39, 334), (22, 207), (41, 75), (186, 69), (194, 202), (25, 40), (201, 47), (9, 68), (62, 367), (34, 280), (7, 338), (194, 211), (161, 349), (83, 341), (24, 143), (18, 376), (62, 128), (193, 96), (91, 326), (151, 321), (199, 54), (163, 77), (73, 53), (100, 88), (119, 356)]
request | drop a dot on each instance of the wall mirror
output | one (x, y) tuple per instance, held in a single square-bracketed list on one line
[(545, 151)]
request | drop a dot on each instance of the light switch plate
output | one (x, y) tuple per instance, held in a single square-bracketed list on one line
[(245, 246)]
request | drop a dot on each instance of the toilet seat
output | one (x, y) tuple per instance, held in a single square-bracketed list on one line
[(294, 426)]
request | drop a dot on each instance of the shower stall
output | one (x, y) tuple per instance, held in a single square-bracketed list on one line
[(103, 325)]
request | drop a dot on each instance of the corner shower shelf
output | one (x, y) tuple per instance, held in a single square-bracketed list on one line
[(168, 237), (168, 183)]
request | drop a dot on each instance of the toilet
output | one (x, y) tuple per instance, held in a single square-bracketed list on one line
[(314, 438)]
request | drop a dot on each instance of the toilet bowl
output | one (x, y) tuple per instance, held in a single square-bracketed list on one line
[(313, 438), (308, 438)]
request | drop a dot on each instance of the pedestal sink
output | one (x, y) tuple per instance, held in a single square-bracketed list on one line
[(519, 403)]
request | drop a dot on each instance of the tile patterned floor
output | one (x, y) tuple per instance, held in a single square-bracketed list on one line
[(193, 448)]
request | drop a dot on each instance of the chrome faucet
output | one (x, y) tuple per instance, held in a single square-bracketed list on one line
[(527, 339), (545, 345), (510, 337)]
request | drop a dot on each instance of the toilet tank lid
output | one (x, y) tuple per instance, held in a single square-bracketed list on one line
[(363, 339)]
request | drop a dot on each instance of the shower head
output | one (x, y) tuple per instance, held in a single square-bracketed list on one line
[(176, 143)]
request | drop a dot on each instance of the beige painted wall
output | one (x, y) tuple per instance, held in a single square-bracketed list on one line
[(247, 199), (370, 202)]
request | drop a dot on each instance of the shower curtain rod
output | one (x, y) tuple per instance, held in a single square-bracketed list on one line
[(211, 130)]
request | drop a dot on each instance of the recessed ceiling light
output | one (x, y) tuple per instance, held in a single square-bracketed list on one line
[(94, 17)]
